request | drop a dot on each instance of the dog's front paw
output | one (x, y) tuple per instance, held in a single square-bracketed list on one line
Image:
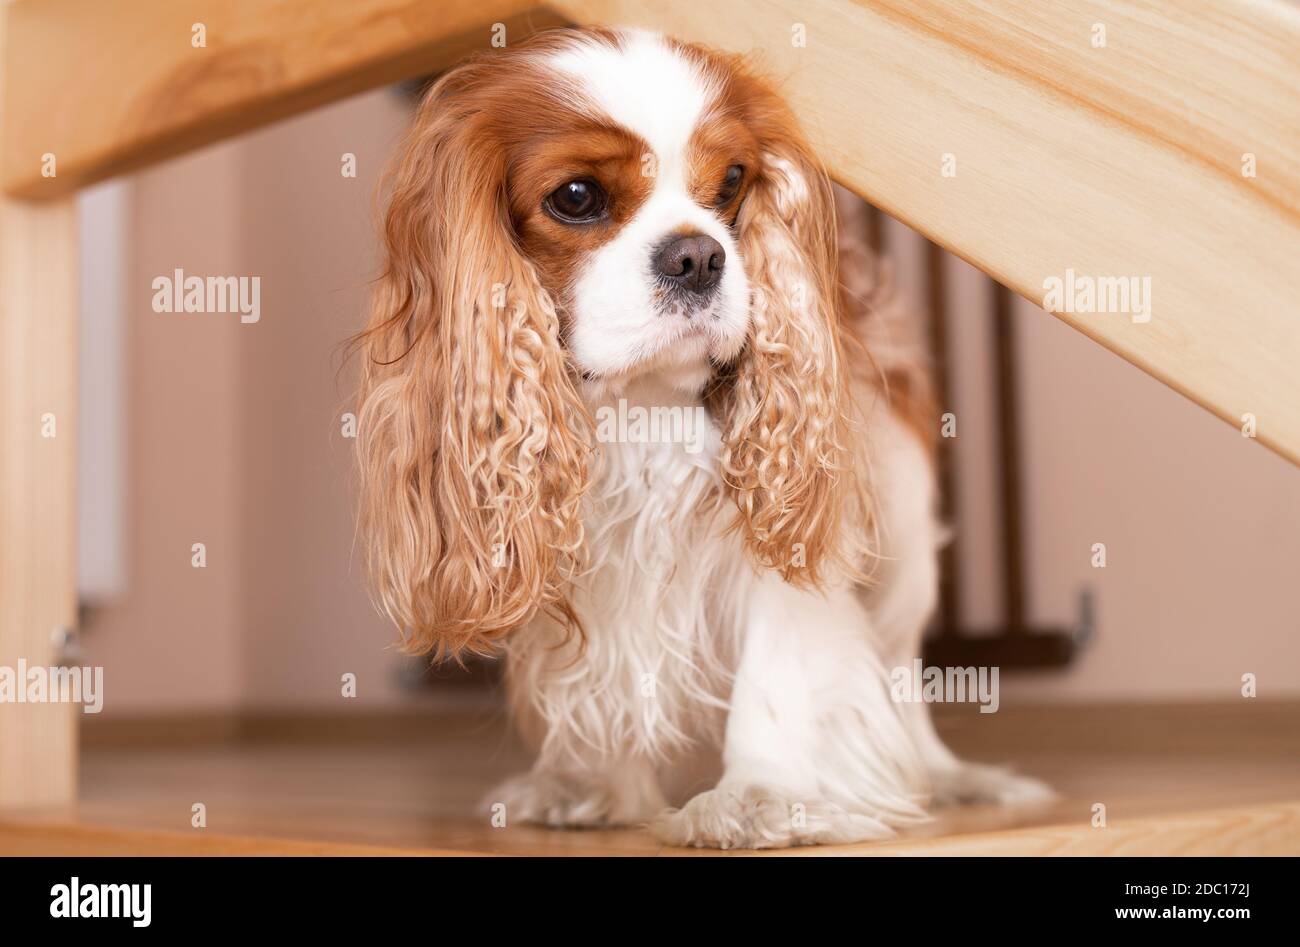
[(979, 782), (568, 801), (762, 817)]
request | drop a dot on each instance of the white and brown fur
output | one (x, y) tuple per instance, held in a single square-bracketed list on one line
[(663, 612)]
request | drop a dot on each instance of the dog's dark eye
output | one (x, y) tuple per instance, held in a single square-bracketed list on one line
[(577, 201), (730, 185)]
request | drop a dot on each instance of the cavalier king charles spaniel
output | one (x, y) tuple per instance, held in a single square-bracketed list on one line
[(602, 221)]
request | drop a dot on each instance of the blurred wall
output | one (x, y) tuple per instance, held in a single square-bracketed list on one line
[(235, 429), (234, 441), (172, 638)]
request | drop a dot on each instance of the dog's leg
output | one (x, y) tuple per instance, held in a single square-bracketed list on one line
[(902, 602), (585, 773), (610, 794), (814, 749)]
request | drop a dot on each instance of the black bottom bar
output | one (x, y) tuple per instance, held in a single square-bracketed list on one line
[(562, 899)]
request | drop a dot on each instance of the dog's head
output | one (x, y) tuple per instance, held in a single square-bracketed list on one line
[(567, 215)]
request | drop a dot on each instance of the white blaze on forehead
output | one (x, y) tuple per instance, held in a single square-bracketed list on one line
[(646, 86), (623, 324)]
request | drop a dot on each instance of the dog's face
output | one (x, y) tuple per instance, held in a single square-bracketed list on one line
[(566, 214), (629, 206)]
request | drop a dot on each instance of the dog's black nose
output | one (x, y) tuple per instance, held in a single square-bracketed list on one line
[(694, 263)]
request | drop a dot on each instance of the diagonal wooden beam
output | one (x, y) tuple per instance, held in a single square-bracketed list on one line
[(110, 87)]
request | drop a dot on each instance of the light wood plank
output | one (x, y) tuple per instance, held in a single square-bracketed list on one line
[(38, 362), (63, 839), (1259, 831), (109, 87), (1184, 779)]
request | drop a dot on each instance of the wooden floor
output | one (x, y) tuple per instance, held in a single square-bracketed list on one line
[(1175, 780)]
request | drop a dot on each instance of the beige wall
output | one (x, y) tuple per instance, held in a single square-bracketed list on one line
[(309, 230), (235, 429), (170, 640), (234, 441)]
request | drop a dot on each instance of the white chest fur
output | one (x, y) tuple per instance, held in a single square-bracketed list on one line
[(660, 602)]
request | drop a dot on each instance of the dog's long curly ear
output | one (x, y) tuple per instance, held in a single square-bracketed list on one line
[(788, 455), (472, 440)]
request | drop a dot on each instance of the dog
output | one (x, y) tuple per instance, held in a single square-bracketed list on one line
[(601, 223)]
